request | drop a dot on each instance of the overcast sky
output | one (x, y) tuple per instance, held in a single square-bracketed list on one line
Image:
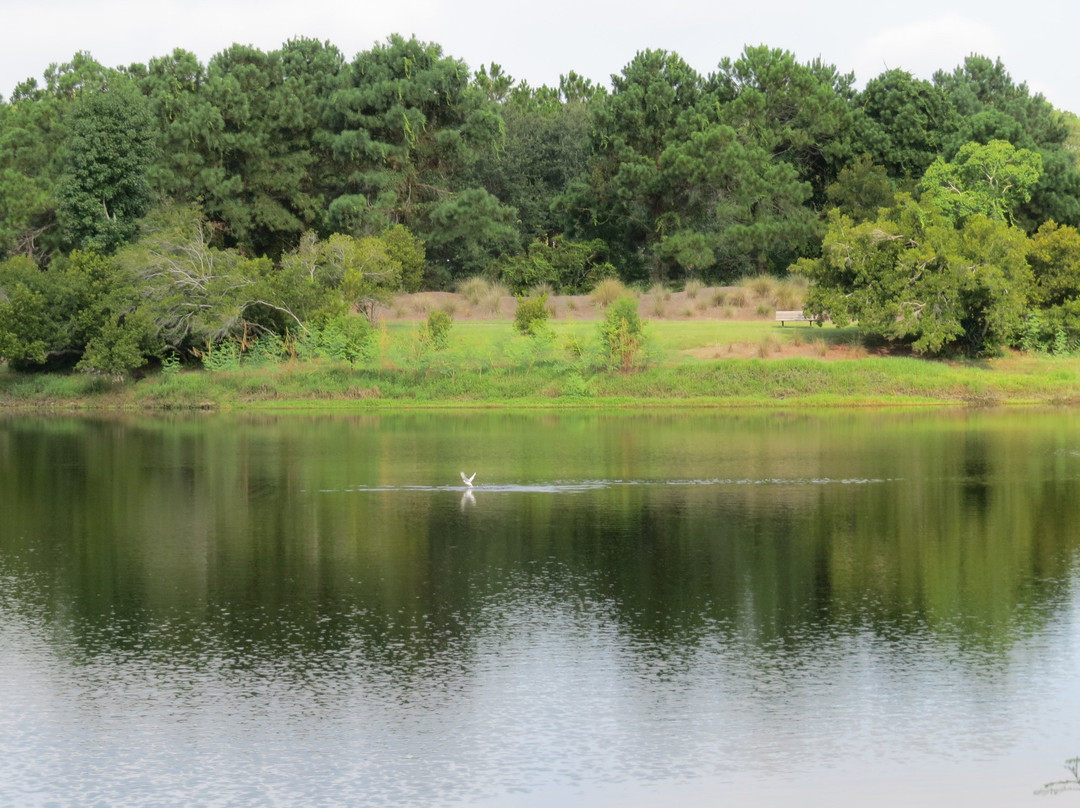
[(539, 41)]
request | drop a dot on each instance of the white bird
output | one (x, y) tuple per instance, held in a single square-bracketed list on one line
[(467, 480)]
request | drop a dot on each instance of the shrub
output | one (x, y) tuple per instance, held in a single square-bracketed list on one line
[(268, 349), (622, 335), (531, 314), (223, 356), (345, 339), (436, 333), (563, 265)]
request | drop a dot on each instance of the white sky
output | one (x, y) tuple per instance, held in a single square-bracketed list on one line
[(538, 41)]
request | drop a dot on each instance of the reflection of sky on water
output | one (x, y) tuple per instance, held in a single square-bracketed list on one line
[(754, 617), (548, 697)]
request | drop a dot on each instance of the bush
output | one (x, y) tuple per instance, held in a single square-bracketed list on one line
[(345, 339), (565, 266), (531, 314), (622, 335), (222, 356), (436, 333)]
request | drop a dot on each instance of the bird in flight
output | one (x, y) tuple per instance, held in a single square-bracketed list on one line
[(467, 480)]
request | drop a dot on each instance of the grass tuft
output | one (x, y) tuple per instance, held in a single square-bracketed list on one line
[(607, 292)]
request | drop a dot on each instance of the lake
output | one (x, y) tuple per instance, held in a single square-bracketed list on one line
[(745, 608)]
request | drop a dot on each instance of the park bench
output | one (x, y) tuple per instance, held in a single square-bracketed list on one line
[(792, 317)]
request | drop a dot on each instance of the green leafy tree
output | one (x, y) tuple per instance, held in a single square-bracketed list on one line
[(408, 251), (1054, 257), (84, 309), (545, 147), (913, 277), (36, 311), (799, 113), (32, 138), (370, 275), (185, 123), (467, 231), (988, 105), (902, 122), (676, 192), (861, 190), (623, 196), (734, 206), (196, 294), (263, 146), (991, 180), (103, 190), (406, 123)]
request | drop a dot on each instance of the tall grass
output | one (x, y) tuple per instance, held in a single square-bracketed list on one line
[(607, 292), (761, 287), (474, 289)]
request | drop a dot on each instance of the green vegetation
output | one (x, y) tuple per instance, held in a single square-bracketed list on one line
[(181, 212), (430, 364)]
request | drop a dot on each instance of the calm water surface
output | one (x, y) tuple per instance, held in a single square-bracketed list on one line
[(627, 610)]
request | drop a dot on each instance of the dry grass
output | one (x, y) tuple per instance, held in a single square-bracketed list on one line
[(423, 304), (474, 289), (492, 299), (768, 345), (658, 290), (693, 288), (607, 292), (762, 287)]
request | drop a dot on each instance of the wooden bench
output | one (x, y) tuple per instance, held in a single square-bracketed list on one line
[(792, 317)]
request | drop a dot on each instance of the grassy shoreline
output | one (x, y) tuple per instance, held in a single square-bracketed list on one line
[(727, 383), (723, 364)]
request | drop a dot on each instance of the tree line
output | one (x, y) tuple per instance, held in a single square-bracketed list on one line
[(167, 207)]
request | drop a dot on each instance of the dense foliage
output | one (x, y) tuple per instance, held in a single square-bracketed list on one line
[(161, 210)]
